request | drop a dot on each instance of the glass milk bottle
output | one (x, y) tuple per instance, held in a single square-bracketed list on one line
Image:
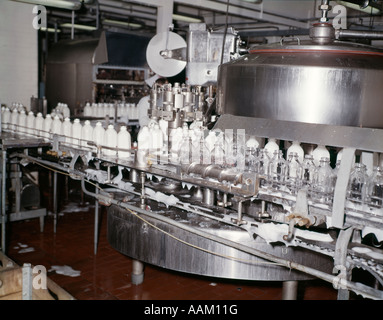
[(277, 170), (271, 146), (100, 110), (47, 126), (184, 152), (296, 147), (209, 146), (293, 172), (6, 118), (39, 124), (65, 111), (110, 141), (14, 120), (375, 188), (308, 173), (86, 133), (22, 122), (144, 144), (356, 190), (262, 167), (164, 128), (175, 141), (56, 127), (66, 130), (76, 132), (144, 138), (320, 152), (323, 182), (219, 151), (30, 123), (251, 159), (252, 143), (87, 110), (196, 137), (98, 134), (157, 138), (124, 141)]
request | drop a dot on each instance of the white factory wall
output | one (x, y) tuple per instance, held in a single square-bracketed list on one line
[(19, 54)]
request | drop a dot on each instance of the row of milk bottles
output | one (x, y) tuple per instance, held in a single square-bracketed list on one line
[(156, 139), (73, 133), (62, 110), (297, 170), (314, 172), (125, 110)]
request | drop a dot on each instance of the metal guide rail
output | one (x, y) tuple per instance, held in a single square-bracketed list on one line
[(240, 202)]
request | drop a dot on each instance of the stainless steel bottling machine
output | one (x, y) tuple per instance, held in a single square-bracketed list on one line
[(272, 173)]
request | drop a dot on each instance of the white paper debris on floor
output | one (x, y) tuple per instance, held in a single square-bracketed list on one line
[(24, 248), (21, 245), (65, 270), (74, 207)]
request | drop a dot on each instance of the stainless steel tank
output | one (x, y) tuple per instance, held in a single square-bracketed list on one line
[(316, 81)]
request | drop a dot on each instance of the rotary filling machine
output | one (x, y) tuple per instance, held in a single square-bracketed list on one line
[(211, 215)]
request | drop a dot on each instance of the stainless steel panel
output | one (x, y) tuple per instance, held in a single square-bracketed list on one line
[(313, 84), (204, 52), (138, 240), (368, 139)]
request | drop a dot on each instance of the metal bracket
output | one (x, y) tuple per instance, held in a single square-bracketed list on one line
[(340, 261), (73, 161), (340, 191), (176, 54)]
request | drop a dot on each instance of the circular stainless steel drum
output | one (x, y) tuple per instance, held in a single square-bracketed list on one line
[(139, 240), (340, 83)]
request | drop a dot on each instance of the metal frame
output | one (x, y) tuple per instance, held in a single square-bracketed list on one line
[(9, 142), (310, 133)]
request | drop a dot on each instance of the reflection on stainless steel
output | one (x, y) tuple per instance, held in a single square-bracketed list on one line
[(337, 84), (129, 235)]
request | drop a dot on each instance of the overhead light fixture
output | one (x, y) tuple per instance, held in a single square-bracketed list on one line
[(78, 27), (122, 23), (179, 17), (49, 29), (62, 4), (363, 6)]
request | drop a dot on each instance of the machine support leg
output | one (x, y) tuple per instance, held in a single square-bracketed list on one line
[(96, 219), (3, 192), (42, 221), (54, 201), (17, 188), (138, 272), (290, 290), (343, 294)]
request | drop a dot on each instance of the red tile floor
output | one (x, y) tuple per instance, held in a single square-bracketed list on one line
[(107, 275)]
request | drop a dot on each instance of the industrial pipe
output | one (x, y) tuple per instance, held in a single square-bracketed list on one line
[(358, 34)]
